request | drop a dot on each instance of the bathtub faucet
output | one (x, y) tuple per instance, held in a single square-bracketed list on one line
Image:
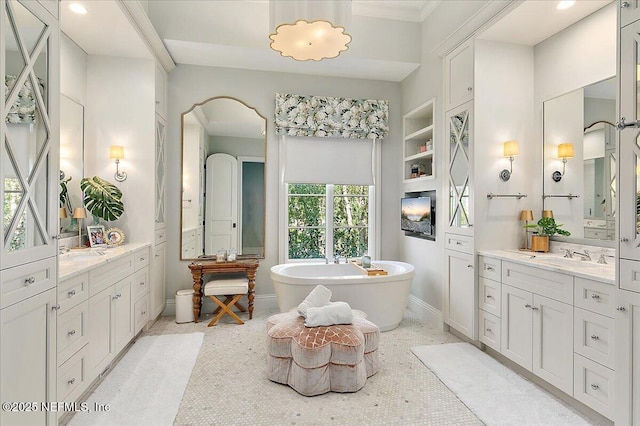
[(336, 260)]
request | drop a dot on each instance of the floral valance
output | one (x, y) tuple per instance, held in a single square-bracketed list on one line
[(322, 116), (24, 108)]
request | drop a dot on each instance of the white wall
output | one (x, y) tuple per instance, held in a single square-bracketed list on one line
[(503, 102), (73, 70), (193, 84), (120, 110)]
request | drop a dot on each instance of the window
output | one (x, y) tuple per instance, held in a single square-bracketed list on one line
[(328, 220)]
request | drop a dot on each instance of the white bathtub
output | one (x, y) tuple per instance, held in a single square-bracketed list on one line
[(383, 297)]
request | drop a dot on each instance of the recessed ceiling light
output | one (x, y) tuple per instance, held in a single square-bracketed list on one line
[(565, 4), (78, 8)]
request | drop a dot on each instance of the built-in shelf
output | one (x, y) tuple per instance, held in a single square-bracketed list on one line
[(418, 143)]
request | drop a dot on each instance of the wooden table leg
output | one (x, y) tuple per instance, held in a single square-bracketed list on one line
[(251, 275), (197, 295)]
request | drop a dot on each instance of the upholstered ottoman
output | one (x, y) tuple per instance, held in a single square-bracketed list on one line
[(316, 360)]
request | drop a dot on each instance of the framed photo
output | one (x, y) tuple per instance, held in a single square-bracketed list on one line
[(114, 236), (96, 236)]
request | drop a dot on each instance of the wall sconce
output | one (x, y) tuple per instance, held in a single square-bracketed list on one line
[(565, 151), (116, 152), (79, 213), (526, 216), (511, 150)]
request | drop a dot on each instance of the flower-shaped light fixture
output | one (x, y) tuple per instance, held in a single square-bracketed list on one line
[(309, 30)]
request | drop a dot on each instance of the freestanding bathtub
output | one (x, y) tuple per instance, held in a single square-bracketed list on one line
[(382, 297)]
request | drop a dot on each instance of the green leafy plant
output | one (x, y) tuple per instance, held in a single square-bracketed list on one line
[(64, 195), (547, 226), (101, 198)]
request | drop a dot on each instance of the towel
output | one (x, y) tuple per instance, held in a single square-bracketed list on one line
[(319, 296), (331, 314)]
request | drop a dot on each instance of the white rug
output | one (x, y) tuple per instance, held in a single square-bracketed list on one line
[(147, 385), (496, 394)]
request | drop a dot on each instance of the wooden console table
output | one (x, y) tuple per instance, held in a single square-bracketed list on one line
[(198, 269)]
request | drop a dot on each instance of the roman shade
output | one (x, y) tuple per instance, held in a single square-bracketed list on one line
[(331, 117)]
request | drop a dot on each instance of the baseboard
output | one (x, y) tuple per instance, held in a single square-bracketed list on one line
[(426, 312), (261, 303)]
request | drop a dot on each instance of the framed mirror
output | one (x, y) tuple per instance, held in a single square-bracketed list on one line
[(223, 179), (580, 161), (71, 161)]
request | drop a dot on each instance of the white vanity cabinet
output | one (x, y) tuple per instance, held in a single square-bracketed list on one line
[(627, 389), (537, 322), (489, 301), (460, 299)]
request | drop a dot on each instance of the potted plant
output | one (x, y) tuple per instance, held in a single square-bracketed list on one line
[(102, 199), (544, 228)]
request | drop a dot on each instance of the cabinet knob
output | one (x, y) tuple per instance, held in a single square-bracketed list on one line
[(624, 240), (30, 280), (595, 296), (55, 307), (469, 89), (489, 268), (72, 293), (594, 337), (621, 308), (594, 386), (72, 381), (535, 308), (458, 243), (527, 305), (624, 4), (469, 266), (157, 255), (143, 313), (488, 330), (142, 283), (489, 296), (142, 259), (71, 333)]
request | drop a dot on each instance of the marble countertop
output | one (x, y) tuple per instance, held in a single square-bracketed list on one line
[(557, 263), (76, 262)]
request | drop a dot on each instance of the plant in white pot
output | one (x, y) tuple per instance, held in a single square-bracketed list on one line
[(102, 199), (545, 228)]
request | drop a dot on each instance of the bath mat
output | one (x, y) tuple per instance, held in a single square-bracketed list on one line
[(496, 394), (147, 385)]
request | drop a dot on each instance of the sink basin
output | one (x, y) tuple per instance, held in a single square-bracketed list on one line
[(568, 263), (82, 255)]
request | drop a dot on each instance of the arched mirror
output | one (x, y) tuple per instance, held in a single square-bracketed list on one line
[(223, 191)]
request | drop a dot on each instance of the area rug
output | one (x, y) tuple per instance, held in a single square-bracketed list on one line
[(147, 385), (496, 394)]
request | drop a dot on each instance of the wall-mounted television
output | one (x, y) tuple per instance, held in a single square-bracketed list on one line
[(418, 215)]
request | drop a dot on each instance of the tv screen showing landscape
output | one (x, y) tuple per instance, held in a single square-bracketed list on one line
[(416, 215)]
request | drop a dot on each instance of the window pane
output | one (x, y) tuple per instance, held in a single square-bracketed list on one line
[(306, 210), (306, 188), (306, 243), (350, 242), (351, 190), (350, 211)]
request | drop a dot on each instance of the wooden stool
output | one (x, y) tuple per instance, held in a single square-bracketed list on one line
[(232, 289)]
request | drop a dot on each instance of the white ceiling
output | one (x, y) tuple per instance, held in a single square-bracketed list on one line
[(105, 30), (536, 20)]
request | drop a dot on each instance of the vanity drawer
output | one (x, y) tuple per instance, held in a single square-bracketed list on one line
[(141, 314), (106, 275), (73, 291), (489, 295), (540, 281), (630, 275), (594, 385), (141, 258), (461, 243), (72, 331), (21, 282), (594, 296), (161, 236), (489, 330), (594, 337), (490, 268), (72, 377), (140, 284)]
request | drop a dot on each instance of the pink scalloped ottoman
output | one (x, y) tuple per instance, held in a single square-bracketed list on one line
[(317, 360)]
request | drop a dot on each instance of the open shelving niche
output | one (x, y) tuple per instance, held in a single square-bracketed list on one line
[(418, 130)]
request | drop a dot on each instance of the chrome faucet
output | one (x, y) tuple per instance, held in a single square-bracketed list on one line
[(583, 256), (63, 250), (603, 258), (336, 260), (567, 253)]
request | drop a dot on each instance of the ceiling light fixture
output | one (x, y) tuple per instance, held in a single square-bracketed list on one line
[(309, 30), (78, 8), (565, 4)]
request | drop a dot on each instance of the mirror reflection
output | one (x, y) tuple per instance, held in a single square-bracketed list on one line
[(71, 160), (580, 159), (223, 192)]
